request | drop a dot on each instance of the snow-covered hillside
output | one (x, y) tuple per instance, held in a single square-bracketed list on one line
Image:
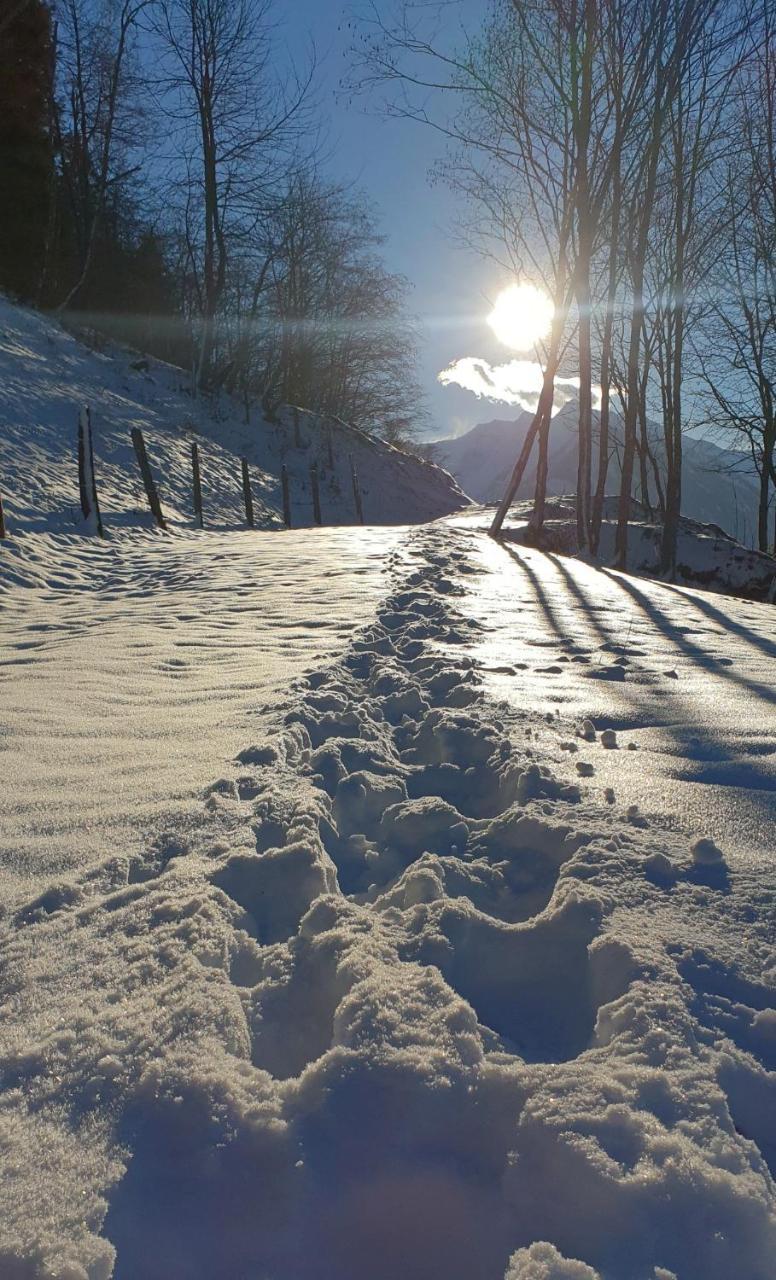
[(482, 460), (47, 375)]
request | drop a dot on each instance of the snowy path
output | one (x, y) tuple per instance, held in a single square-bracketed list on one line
[(401, 994), (130, 672), (687, 677)]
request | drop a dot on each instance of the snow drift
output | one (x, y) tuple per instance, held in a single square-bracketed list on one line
[(706, 555)]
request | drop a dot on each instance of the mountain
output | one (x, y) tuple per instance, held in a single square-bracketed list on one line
[(48, 374), (483, 458)]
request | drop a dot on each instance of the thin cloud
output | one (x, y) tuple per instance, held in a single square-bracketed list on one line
[(518, 382)]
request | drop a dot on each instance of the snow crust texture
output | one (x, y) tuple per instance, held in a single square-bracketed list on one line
[(407, 1002)]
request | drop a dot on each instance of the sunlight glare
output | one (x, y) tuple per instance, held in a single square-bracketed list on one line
[(522, 316)]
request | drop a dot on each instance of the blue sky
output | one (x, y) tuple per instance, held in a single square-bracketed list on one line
[(389, 160)]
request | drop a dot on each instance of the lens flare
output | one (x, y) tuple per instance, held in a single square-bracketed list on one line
[(522, 316)]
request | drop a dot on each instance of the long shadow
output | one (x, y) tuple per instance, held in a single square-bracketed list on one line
[(629, 696), (678, 701), (768, 647), (687, 647), (579, 595), (540, 593), (681, 719)]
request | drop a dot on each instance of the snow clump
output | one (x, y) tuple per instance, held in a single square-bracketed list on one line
[(705, 853)]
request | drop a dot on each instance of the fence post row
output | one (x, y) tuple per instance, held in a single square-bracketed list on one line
[(247, 495), (356, 491), (316, 493), (148, 480), (197, 484), (87, 484)]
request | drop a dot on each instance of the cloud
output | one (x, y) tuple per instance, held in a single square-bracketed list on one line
[(518, 382)]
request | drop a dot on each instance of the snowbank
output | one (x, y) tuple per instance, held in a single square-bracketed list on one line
[(706, 555), (718, 485)]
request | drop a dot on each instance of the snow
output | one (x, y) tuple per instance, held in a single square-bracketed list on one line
[(319, 956), (684, 677), (131, 670), (47, 376)]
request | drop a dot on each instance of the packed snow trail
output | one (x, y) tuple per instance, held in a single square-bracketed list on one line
[(408, 1000)]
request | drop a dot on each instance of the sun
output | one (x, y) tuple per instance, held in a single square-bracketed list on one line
[(522, 316)]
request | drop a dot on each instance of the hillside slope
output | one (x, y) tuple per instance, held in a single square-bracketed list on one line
[(47, 375), (483, 458)]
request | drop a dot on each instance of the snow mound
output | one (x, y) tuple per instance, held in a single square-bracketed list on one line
[(718, 485)]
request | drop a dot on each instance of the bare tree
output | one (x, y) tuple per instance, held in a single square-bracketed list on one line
[(238, 122), (511, 128), (97, 115), (560, 135), (323, 324), (737, 347)]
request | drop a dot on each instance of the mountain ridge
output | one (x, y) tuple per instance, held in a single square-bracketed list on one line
[(482, 459)]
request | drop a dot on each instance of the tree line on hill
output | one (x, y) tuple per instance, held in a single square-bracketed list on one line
[(622, 153), (161, 180)]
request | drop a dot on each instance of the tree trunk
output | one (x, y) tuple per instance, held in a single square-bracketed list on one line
[(540, 491), (631, 412), (585, 410), (762, 508), (584, 255), (544, 406), (606, 362)]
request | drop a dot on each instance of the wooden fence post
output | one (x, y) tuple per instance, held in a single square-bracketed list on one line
[(330, 446), (148, 480), (316, 493), (297, 435), (247, 495), (286, 496), (87, 483), (197, 484), (86, 508), (356, 491), (2, 518)]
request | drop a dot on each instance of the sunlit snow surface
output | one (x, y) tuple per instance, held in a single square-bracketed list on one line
[(130, 671), (686, 677), (363, 975)]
